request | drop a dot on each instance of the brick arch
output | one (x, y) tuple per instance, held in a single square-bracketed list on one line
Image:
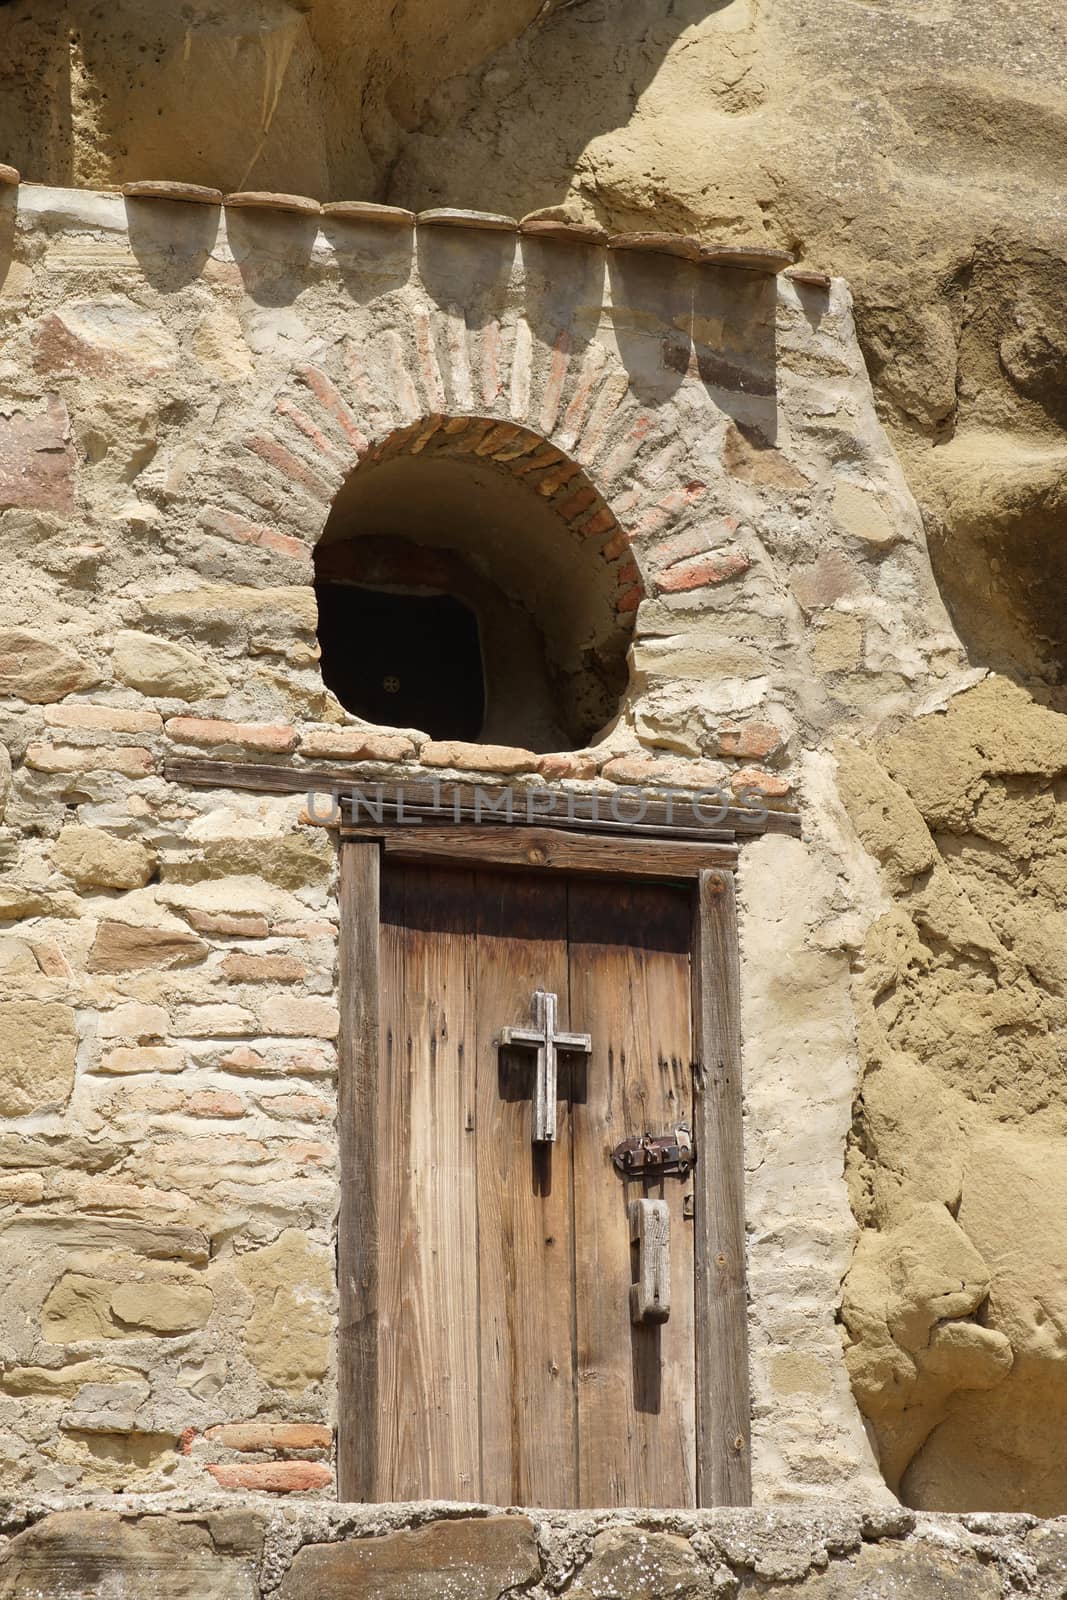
[(614, 462), (501, 500), (534, 462)]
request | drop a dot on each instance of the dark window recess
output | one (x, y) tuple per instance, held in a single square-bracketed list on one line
[(403, 660)]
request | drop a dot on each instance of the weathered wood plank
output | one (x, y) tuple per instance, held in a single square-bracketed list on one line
[(359, 1401), (723, 1407), (427, 1357), (542, 850), (650, 1236), (630, 988), (525, 1221), (456, 801)]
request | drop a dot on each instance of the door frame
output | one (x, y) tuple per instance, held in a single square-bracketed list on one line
[(723, 1436)]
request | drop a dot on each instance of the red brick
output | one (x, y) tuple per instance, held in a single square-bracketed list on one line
[(667, 508), (701, 571), (240, 968), (275, 1477), (567, 766), (37, 460), (429, 370), (279, 456), (213, 1103), (270, 1436), (616, 546), (751, 741), (353, 744), (651, 772), (325, 446), (693, 541), (332, 402), (502, 434), (477, 757), (491, 383), (557, 479), (546, 455), (623, 454), (554, 387), (243, 1059), (765, 783), (277, 738), (522, 445), (302, 1107), (579, 502), (629, 600), (601, 521), (231, 526)]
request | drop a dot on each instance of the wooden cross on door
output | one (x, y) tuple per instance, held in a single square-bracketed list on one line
[(544, 1038)]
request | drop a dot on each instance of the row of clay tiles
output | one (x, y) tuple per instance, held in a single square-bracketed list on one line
[(753, 258)]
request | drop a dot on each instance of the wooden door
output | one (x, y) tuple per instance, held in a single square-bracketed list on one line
[(505, 1366)]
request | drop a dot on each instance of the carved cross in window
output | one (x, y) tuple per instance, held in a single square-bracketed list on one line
[(544, 1038)]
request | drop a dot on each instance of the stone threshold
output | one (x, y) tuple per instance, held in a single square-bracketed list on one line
[(235, 1547)]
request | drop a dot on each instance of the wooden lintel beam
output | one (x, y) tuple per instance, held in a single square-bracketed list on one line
[(552, 850), (681, 815)]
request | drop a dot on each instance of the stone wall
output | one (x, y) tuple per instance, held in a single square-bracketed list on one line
[(183, 394), (157, 1548)]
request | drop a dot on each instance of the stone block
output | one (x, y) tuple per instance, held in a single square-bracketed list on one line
[(37, 669), (859, 512), (123, 947), (108, 719), (287, 1335), (165, 1307), (309, 1018), (142, 1058), (468, 1558), (241, 968), (81, 1306), (106, 339), (920, 1572), (72, 1555), (129, 761), (236, 924), (63, 1383), (37, 460), (17, 903), (94, 858), (284, 607), (634, 1565), (134, 1020), (161, 667), (38, 1043)]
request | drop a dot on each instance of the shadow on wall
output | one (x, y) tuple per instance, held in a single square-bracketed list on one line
[(307, 96), (613, 51)]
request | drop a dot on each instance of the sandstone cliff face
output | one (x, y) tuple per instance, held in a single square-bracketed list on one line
[(917, 149)]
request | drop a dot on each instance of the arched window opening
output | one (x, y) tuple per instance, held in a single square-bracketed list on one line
[(457, 599), (419, 661)]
